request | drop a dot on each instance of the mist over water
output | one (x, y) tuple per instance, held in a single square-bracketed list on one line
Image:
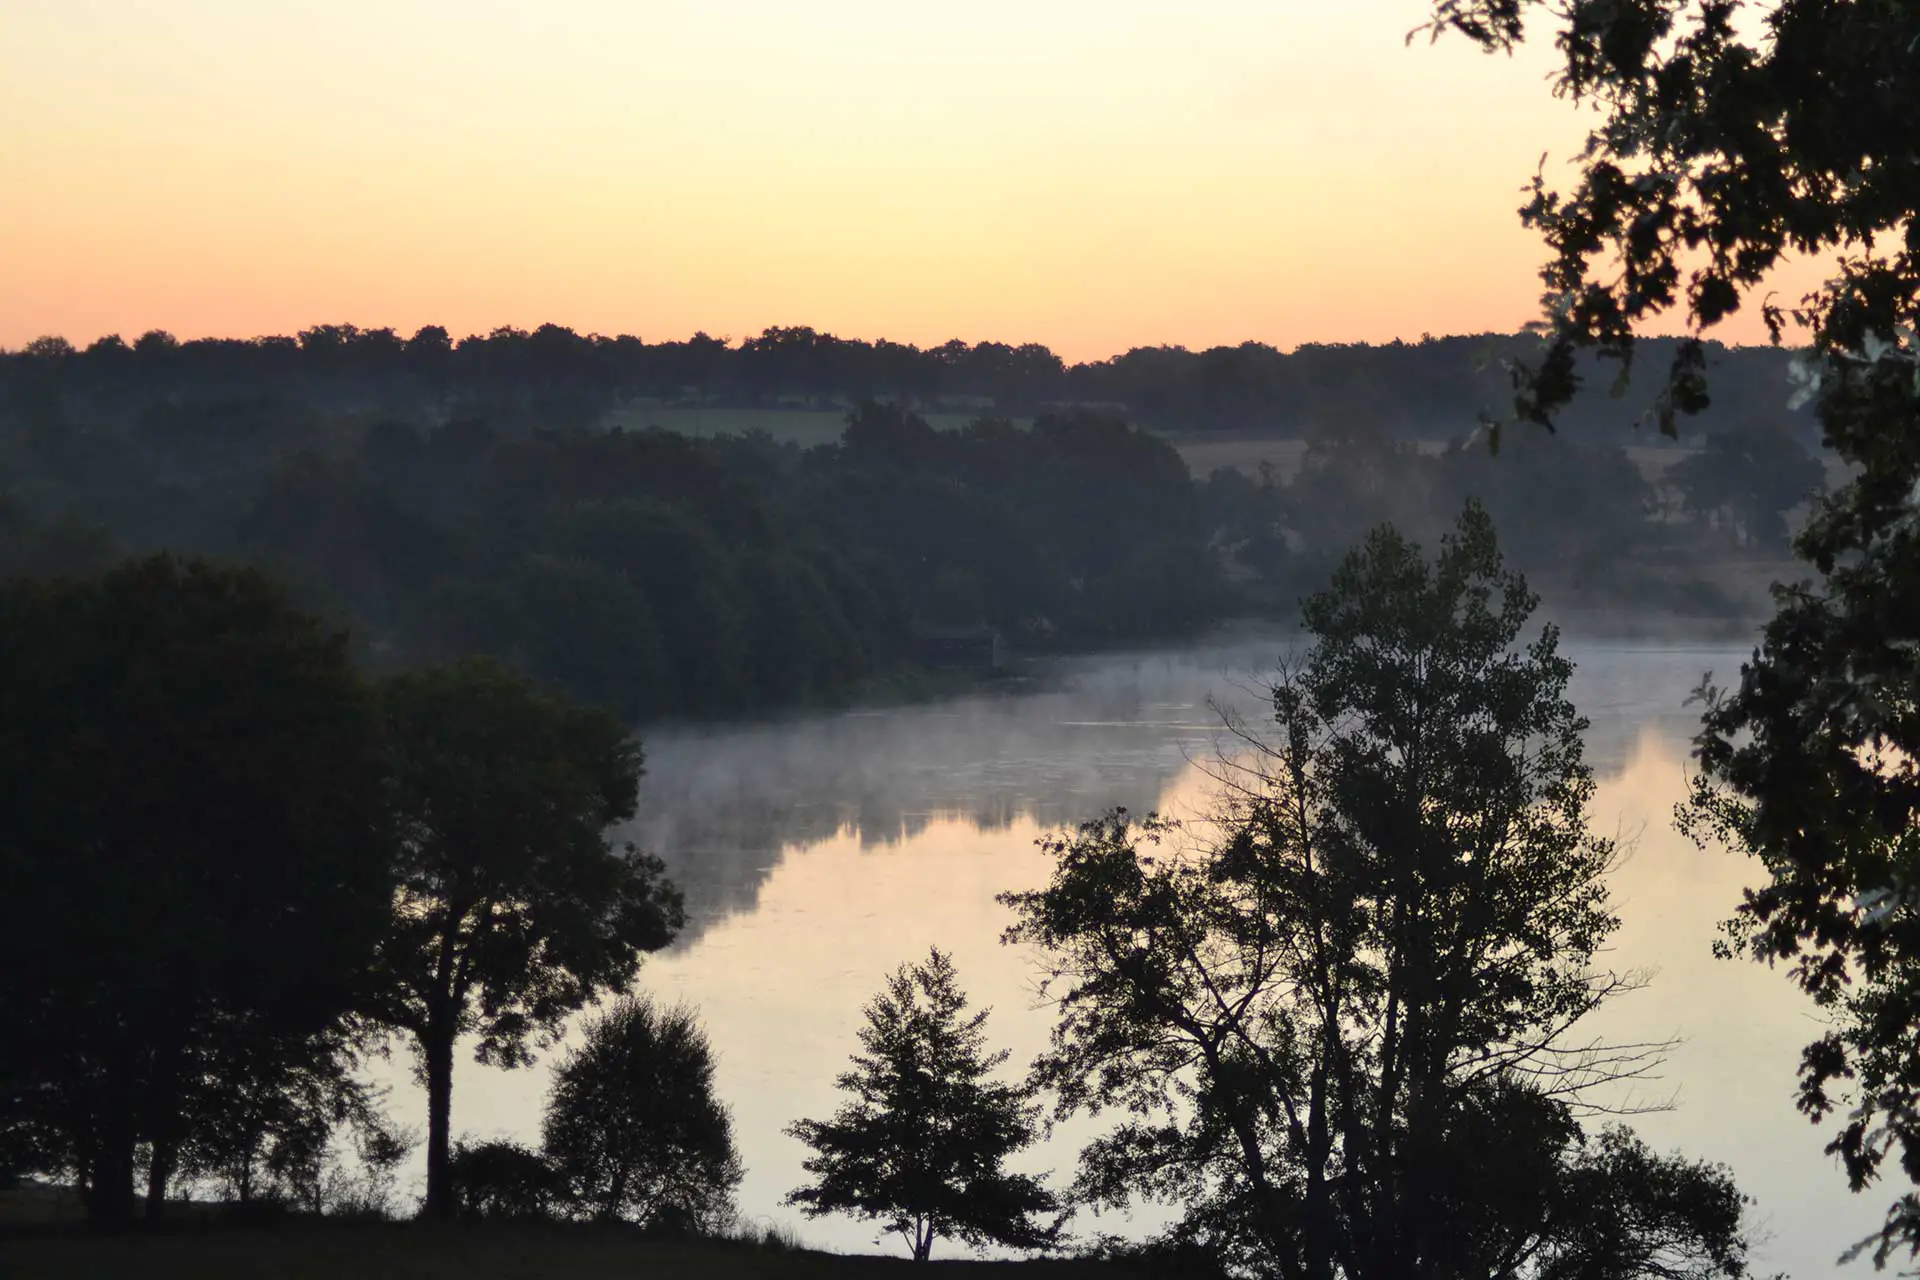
[(819, 852)]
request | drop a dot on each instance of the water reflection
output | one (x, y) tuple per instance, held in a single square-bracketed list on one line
[(723, 804), (821, 852)]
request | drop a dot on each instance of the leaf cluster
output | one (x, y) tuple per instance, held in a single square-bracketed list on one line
[(1724, 146)]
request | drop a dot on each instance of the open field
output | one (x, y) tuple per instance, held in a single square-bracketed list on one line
[(804, 427), (321, 1251), (1204, 454)]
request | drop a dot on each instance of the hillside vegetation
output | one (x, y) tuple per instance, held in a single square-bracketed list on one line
[(697, 529)]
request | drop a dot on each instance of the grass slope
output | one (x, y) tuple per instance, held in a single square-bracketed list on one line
[(483, 1252)]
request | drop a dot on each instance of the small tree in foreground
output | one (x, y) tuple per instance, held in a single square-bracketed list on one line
[(633, 1129), (922, 1144)]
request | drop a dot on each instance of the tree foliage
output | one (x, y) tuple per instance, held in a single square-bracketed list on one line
[(1338, 1022), (633, 1128), (921, 1145), (1728, 139), (555, 379), (194, 865), (1724, 146), (503, 1181), (261, 1131), (513, 910)]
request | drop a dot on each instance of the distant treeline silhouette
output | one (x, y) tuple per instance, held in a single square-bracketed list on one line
[(554, 377)]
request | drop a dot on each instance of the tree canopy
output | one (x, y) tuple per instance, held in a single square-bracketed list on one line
[(509, 495), (513, 909), (194, 857), (1725, 146), (633, 1128)]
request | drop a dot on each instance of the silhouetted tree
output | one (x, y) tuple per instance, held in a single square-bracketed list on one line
[(1748, 142), (921, 1146), (194, 863), (1722, 147), (633, 1128), (1337, 1028), (513, 910), (260, 1128)]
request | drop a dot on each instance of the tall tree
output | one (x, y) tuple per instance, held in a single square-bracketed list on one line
[(633, 1128), (1337, 1027), (194, 866), (1723, 146), (513, 909), (921, 1145)]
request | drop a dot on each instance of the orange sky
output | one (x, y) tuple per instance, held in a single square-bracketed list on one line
[(1094, 176)]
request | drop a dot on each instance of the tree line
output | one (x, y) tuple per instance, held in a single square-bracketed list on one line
[(555, 378), (665, 575)]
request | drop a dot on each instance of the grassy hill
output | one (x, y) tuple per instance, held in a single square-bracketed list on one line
[(328, 1251)]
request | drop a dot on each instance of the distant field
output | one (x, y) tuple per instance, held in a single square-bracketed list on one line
[(1204, 455), (804, 427), (475, 1252)]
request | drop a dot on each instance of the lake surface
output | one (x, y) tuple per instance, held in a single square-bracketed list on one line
[(820, 852)]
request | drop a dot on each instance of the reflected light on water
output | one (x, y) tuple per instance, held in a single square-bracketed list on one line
[(1740, 1026)]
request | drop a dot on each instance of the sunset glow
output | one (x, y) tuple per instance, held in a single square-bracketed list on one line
[(1089, 176)]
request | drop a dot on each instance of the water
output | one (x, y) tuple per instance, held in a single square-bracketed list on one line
[(820, 852)]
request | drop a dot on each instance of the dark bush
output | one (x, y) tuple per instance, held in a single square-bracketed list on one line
[(503, 1180)]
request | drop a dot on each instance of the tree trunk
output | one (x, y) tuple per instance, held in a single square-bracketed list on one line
[(110, 1197), (1318, 1226), (160, 1166), (436, 1049)]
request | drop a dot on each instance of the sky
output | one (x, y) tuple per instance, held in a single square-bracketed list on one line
[(1093, 176)]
